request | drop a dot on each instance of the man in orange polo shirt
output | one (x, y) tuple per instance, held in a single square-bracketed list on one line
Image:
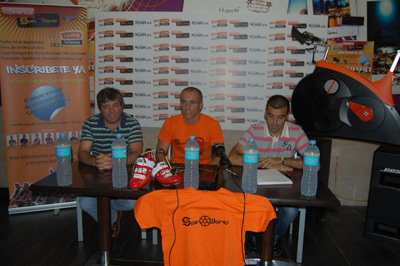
[(191, 122)]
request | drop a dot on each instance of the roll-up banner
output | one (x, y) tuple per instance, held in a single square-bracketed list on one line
[(44, 91)]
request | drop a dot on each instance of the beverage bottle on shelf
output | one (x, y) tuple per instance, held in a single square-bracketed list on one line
[(309, 181), (250, 165), (119, 171), (192, 155), (63, 154)]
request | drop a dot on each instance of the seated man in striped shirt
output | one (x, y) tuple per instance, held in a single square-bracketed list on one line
[(98, 133), (278, 142)]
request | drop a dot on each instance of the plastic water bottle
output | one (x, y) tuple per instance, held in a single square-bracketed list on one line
[(119, 171), (309, 181), (192, 156), (250, 165), (63, 154)]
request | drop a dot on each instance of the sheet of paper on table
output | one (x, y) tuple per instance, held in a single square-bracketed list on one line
[(268, 177)]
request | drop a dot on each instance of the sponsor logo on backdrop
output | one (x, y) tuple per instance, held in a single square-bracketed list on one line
[(290, 85), (218, 48), (142, 117), (179, 82), (238, 36), (180, 47), (255, 85), (142, 106), (275, 85), (295, 50), (235, 97), (217, 84), (106, 69), (175, 106), (237, 61), (161, 70), (180, 71), (162, 22), (199, 48), (106, 46), (180, 22), (238, 49), (280, 24), (106, 34), (239, 24), (124, 22), (160, 95), (219, 35), (237, 73), (124, 70), (294, 74), (218, 72), (160, 106), (235, 109), (180, 34), (276, 50), (123, 81), (294, 62), (297, 24), (236, 120), (277, 37), (161, 82), (275, 73), (237, 85), (216, 108), (161, 59), (161, 34), (217, 96), (124, 47), (220, 118), (218, 61), (106, 58), (219, 23), (142, 47), (106, 81), (160, 117), (161, 47), (180, 60), (126, 94), (106, 22)]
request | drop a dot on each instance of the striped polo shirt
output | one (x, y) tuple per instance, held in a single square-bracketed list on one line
[(292, 140), (95, 130)]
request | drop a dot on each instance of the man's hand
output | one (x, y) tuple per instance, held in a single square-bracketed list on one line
[(273, 163), (104, 162)]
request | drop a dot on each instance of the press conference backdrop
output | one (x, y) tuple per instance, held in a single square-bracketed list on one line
[(237, 60)]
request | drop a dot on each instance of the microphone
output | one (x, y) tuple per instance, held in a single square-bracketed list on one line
[(219, 150)]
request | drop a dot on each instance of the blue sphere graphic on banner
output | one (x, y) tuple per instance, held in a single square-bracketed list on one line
[(46, 102)]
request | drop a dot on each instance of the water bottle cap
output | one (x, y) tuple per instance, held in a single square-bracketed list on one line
[(118, 136), (313, 142), (192, 137), (251, 140)]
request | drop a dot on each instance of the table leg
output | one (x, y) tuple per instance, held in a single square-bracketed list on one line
[(300, 240), (104, 220)]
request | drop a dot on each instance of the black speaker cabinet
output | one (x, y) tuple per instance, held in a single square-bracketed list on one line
[(383, 212)]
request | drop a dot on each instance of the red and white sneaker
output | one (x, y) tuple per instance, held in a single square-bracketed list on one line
[(163, 174), (142, 172)]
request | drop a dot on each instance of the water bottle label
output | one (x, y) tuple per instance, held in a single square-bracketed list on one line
[(192, 155), (250, 158), (63, 152), (311, 160), (119, 153)]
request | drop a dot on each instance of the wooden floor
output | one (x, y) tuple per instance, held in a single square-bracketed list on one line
[(334, 238)]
